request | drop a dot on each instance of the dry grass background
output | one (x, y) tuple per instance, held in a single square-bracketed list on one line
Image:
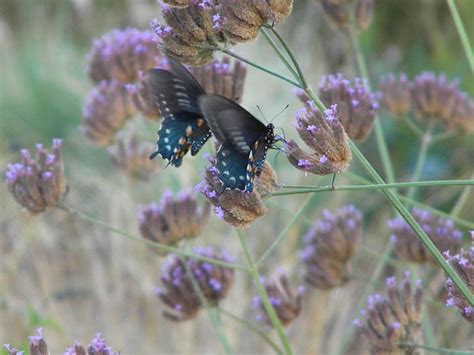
[(76, 279)]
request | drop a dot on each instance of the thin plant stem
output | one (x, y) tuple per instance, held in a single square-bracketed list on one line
[(254, 329), (211, 311), (385, 186), (414, 128), (260, 67), (156, 245), (462, 34), (462, 199), (262, 293), (436, 349), (379, 136), (280, 54), (420, 162), (285, 230)]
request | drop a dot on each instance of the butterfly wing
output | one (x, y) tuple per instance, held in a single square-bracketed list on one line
[(183, 128), (245, 141)]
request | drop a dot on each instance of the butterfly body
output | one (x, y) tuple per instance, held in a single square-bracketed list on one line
[(183, 128), (245, 141)]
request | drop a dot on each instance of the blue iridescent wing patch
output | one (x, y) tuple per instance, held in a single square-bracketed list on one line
[(183, 128), (232, 167)]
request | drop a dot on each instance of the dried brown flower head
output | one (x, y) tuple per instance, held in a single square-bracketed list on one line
[(238, 208), (441, 231), (329, 245), (178, 292), (434, 98), (37, 344), (324, 134), (395, 94), (337, 11), (132, 157), (108, 106), (392, 322), (174, 219), (219, 77), (287, 304), (38, 183), (463, 264), (177, 3), (143, 97), (364, 11), (356, 105), (120, 54)]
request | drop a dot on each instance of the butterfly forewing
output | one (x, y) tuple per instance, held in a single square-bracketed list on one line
[(176, 93)]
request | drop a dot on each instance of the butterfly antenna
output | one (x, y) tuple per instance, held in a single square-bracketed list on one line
[(279, 113), (261, 113)]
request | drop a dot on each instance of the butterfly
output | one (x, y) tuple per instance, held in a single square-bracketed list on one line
[(183, 128), (244, 141)]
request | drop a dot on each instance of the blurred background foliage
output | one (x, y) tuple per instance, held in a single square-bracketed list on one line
[(43, 86)]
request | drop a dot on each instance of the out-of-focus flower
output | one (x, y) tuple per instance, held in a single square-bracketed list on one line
[(434, 98), (120, 54), (287, 304), (329, 245), (463, 264), (364, 11), (132, 157), (178, 292), (392, 322), (441, 231), (75, 349), (99, 347), (174, 219), (143, 98), (108, 107), (193, 32), (238, 208), (324, 134), (219, 77), (337, 11), (395, 94), (37, 344), (38, 183), (356, 105), (11, 350), (177, 3)]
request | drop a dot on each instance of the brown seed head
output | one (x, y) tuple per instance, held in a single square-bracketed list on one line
[(38, 183), (285, 301), (143, 98), (395, 94), (324, 134), (121, 54), (440, 230), (329, 245), (174, 219), (391, 322), (37, 344), (132, 157), (178, 292), (336, 11), (364, 11), (107, 108), (177, 3)]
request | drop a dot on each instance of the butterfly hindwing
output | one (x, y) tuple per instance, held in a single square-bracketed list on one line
[(245, 141), (183, 128)]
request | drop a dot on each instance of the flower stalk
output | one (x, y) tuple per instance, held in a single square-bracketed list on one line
[(462, 33)]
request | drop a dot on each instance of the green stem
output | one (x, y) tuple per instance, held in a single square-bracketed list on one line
[(420, 162), (379, 136), (310, 189), (415, 129), (262, 68), (457, 208), (212, 312), (262, 293), (280, 54), (284, 231), (159, 246), (462, 34), (436, 349), (254, 329)]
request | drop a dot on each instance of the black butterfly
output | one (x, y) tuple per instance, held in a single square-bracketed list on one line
[(244, 141), (183, 128)]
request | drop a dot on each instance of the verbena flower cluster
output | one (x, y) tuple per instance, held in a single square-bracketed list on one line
[(392, 323), (431, 97), (195, 29), (238, 208), (174, 219), (463, 264), (441, 231), (183, 277), (285, 301), (39, 182), (329, 245), (38, 346)]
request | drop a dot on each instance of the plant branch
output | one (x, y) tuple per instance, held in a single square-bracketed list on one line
[(462, 34)]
